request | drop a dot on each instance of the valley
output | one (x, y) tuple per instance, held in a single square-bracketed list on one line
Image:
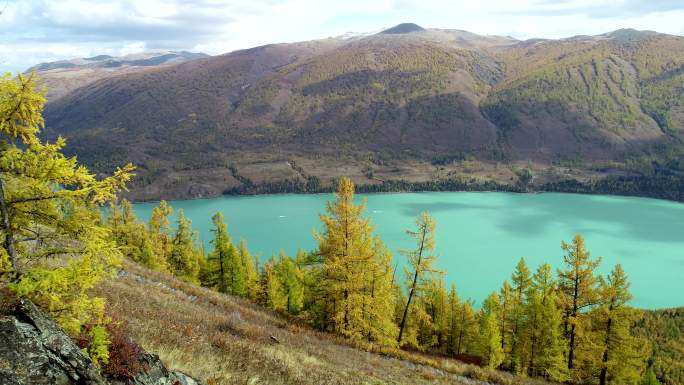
[(406, 206)]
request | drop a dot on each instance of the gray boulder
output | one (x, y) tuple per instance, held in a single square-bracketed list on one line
[(35, 351)]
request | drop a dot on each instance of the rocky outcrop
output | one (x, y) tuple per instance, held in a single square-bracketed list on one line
[(155, 373), (35, 351)]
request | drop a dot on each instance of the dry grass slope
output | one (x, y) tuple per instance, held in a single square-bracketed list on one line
[(225, 340)]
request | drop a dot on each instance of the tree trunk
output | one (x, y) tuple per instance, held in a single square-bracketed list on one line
[(9, 236), (460, 338), (604, 369), (571, 352), (408, 303), (346, 309), (413, 287), (222, 274)]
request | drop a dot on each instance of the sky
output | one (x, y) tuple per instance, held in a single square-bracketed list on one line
[(35, 31)]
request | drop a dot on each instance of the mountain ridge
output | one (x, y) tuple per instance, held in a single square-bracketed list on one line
[(390, 103), (63, 76)]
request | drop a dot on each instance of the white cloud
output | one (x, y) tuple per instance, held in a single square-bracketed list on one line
[(32, 31), (133, 48)]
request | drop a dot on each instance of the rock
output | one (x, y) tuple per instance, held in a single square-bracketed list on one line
[(35, 351), (155, 373)]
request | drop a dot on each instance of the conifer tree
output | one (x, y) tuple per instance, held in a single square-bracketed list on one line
[(251, 275), (272, 292), (379, 299), (128, 233), (439, 311), (159, 220), (521, 282), (49, 210), (463, 327), (149, 257), (313, 307), (506, 305), (622, 357), (427, 328), (160, 231), (290, 278), (399, 303), (543, 340), (578, 288), (489, 339), (183, 260), (352, 277), (454, 304), (421, 262), (226, 268)]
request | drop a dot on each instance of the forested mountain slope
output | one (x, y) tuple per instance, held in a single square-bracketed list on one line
[(407, 103)]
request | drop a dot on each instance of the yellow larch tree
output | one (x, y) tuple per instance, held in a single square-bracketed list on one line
[(356, 296), (54, 246)]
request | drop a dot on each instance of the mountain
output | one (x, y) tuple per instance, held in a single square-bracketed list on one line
[(404, 28), (64, 76), (406, 103)]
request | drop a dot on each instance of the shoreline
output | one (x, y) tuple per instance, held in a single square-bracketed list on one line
[(633, 186)]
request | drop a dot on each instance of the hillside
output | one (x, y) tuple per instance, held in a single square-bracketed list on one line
[(63, 76), (337, 314), (221, 339), (407, 103)]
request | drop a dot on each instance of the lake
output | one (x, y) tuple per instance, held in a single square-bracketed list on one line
[(480, 235)]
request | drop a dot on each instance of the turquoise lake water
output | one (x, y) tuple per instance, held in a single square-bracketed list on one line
[(480, 236)]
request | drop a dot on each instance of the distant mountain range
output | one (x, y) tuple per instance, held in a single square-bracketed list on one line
[(406, 103), (64, 76)]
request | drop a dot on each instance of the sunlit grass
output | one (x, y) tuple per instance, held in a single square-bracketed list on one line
[(221, 339)]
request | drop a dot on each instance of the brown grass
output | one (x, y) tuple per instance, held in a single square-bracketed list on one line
[(225, 340)]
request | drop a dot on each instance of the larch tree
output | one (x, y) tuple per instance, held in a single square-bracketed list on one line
[(54, 247), (149, 256), (420, 261), (578, 289), (160, 231), (399, 303), (428, 324), (543, 342), (183, 260), (251, 274), (506, 304), (379, 300), (489, 339), (272, 293), (437, 307), (454, 303), (521, 282), (125, 229), (314, 307), (226, 270), (463, 327), (291, 286), (622, 356), (469, 329), (352, 262)]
